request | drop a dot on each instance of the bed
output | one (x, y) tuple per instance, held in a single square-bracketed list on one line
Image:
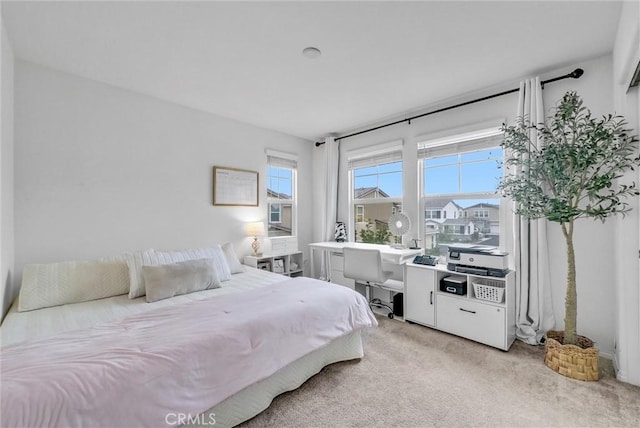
[(210, 357)]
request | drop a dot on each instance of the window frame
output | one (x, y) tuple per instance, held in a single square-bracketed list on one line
[(393, 153), (465, 143), (287, 161)]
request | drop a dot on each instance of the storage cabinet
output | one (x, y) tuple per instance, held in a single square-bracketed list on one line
[(485, 312), (289, 264), (476, 321), (419, 304)]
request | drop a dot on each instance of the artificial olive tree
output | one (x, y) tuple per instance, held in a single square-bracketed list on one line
[(572, 174)]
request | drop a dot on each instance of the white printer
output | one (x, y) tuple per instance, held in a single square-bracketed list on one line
[(477, 260)]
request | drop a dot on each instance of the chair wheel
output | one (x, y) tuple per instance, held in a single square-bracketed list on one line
[(390, 315)]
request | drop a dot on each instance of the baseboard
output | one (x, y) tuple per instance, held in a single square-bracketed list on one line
[(621, 375), (607, 367), (607, 355)]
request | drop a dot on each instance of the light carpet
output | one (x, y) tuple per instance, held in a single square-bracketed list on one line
[(413, 376)]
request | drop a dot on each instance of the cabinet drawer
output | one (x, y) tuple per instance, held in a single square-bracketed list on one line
[(473, 320)]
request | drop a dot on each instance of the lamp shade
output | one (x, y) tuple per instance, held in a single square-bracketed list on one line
[(255, 229)]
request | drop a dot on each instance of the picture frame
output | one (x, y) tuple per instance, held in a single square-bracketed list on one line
[(235, 187)]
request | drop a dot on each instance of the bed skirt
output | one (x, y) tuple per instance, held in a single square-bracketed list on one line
[(254, 399)]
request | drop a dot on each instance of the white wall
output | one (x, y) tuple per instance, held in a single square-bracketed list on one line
[(101, 170), (594, 241), (626, 56), (6, 173)]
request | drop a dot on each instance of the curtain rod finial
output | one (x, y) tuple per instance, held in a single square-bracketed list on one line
[(577, 73)]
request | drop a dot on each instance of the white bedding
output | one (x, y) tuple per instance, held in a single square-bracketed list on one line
[(174, 371), (18, 326)]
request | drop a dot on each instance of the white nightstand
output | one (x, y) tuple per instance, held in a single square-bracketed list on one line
[(288, 264)]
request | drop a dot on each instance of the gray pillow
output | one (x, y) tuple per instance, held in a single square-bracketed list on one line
[(164, 281)]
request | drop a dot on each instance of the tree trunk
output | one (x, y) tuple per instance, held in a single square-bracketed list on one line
[(571, 299)]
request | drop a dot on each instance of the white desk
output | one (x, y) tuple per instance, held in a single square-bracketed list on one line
[(392, 255)]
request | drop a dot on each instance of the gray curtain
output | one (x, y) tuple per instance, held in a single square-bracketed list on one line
[(534, 306)]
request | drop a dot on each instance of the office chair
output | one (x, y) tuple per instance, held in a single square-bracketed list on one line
[(365, 267)]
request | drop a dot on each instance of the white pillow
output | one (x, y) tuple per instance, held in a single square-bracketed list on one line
[(135, 261), (155, 258), (164, 281), (232, 259), (215, 253), (53, 284)]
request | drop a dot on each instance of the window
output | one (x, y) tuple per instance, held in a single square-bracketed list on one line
[(459, 178), (275, 212), (432, 213), (281, 193), (376, 192)]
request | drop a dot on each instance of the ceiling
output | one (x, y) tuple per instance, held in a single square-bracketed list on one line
[(243, 60)]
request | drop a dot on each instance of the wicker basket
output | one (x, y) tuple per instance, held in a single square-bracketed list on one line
[(493, 292), (576, 362)]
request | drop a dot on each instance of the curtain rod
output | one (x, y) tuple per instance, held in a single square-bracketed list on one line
[(575, 74)]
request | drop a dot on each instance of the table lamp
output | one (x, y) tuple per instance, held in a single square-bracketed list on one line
[(255, 229)]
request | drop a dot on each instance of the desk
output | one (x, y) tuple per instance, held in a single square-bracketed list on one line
[(392, 255)]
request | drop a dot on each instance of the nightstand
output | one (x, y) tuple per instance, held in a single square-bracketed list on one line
[(288, 264)]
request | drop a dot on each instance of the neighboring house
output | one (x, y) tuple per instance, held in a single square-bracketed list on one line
[(280, 220), (486, 217), (369, 211), (460, 226), (369, 193), (431, 229), (440, 210), (445, 217)]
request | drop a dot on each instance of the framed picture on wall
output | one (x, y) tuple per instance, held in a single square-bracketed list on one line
[(235, 187)]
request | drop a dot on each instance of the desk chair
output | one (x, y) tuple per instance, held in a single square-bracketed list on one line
[(365, 267)]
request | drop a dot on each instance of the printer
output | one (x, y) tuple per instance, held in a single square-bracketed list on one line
[(477, 260)]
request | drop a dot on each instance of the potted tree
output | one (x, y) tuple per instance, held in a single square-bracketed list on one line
[(572, 175)]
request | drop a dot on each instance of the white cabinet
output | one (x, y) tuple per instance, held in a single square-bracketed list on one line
[(476, 321), (289, 264), (420, 288), (484, 312)]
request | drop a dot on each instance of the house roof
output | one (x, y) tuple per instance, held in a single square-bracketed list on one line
[(483, 205), (439, 203), (436, 203), (363, 192), (276, 195)]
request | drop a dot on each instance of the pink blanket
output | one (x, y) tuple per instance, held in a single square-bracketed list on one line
[(186, 358)]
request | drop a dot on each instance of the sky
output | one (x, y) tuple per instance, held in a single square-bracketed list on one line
[(472, 172)]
